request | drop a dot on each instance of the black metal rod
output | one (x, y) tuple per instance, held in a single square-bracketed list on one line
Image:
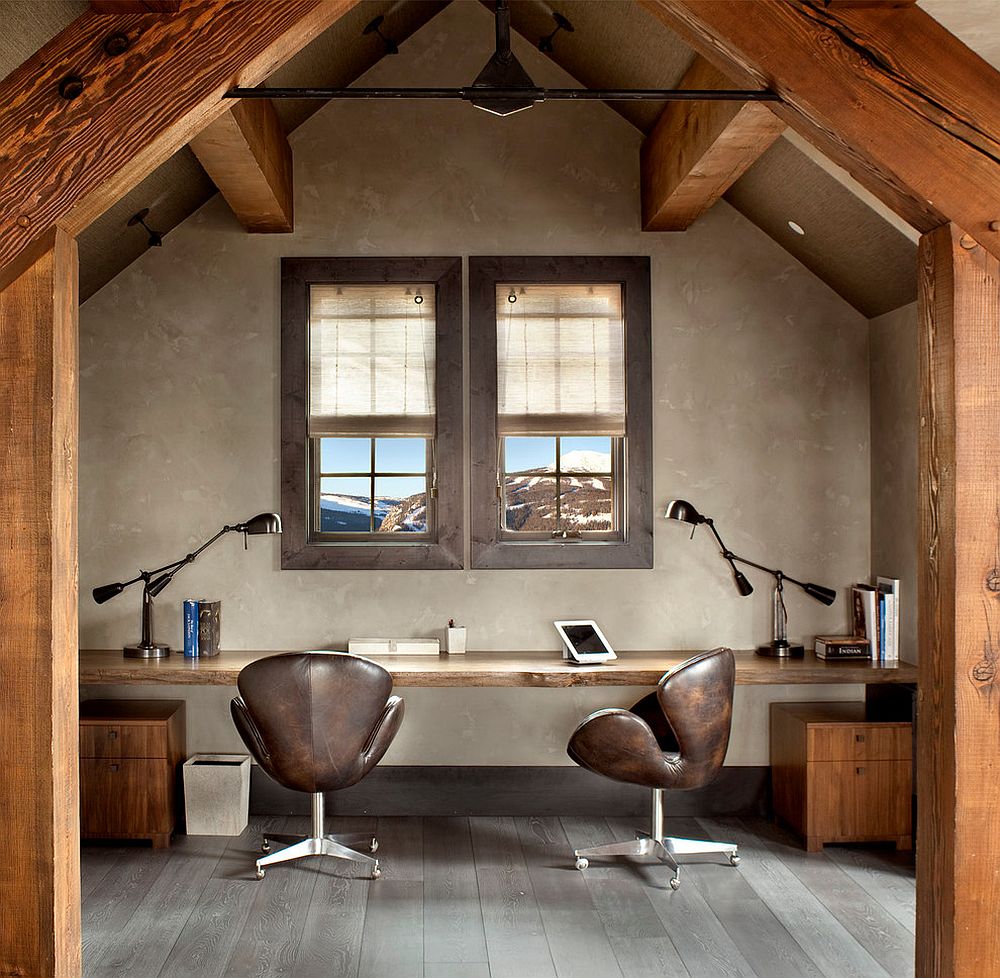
[(538, 94), (779, 575)]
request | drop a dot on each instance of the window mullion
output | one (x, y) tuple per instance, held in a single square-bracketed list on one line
[(372, 486)]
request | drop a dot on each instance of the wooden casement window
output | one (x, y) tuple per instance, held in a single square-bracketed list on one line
[(561, 412), (371, 413)]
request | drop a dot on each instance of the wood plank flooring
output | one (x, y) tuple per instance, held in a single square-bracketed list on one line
[(498, 898)]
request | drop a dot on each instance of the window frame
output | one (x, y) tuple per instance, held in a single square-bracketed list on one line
[(443, 548), (492, 546)]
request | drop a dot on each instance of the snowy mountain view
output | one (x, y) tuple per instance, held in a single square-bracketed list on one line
[(351, 514), (585, 501)]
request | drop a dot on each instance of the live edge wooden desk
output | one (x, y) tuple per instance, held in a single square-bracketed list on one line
[(544, 669)]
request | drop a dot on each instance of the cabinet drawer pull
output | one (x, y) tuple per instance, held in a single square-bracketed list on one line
[(859, 770), (114, 767), (112, 735), (859, 738)]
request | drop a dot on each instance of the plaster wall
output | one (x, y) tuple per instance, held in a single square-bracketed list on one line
[(895, 409), (760, 410)]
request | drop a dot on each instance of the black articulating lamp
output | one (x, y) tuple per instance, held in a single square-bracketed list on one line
[(154, 581), (779, 647)]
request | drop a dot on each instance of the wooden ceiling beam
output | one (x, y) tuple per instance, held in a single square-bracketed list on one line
[(247, 156), (698, 150), (135, 6), (886, 92), (63, 163)]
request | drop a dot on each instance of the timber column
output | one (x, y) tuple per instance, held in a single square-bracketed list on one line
[(958, 770), (39, 803)]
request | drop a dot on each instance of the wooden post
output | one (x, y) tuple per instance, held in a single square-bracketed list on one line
[(39, 807), (958, 772)]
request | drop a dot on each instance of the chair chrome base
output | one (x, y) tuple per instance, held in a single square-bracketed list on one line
[(665, 848), (319, 844)]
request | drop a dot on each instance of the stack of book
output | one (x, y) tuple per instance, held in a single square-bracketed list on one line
[(876, 617), (202, 627)]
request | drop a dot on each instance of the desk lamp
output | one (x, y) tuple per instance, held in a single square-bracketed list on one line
[(152, 584), (778, 647)]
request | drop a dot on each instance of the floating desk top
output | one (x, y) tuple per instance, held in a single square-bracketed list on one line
[(545, 669)]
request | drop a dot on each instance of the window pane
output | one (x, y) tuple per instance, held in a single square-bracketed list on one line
[(401, 505), (585, 454), (400, 454), (345, 505), (525, 454), (345, 455), (585, 503), (530, 503)]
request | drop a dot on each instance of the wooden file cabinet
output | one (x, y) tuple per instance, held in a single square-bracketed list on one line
[(130, 753), (837, 777)]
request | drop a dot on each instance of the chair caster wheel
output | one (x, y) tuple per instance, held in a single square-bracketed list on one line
[(582, 862), (260, 874), (675, 883), (734, 860), (374, 846), (265, 846), (376, 872)]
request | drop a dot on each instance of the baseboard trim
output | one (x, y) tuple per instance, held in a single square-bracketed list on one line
[(514, 791)]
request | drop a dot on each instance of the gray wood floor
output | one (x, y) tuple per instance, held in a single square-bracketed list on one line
[(497, 898)]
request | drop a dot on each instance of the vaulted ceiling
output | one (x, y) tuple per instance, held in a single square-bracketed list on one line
[(851, 241)]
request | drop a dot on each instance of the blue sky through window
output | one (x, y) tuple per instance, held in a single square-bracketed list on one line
[(391, 454), (589, 453), (529, 453)]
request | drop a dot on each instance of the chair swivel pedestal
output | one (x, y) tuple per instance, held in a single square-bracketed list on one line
[(654, 843), (674, 738), (319, 843)]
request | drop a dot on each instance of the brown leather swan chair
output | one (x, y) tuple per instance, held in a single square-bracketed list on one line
[(673, 738), (315, 722)]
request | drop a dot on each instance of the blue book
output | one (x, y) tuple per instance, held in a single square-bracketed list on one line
[(190, 629), (881, 625)]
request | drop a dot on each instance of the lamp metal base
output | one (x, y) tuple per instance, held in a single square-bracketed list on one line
[(154, 650), (781, 650)]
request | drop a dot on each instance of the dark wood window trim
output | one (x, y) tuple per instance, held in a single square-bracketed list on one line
[(298, 551), (489, 547)]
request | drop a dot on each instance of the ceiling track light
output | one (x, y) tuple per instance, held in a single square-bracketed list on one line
[(562, 24), (503, 87), (375, 27), (155, 238)]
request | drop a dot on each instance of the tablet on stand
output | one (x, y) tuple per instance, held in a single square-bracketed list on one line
[(584, 642)]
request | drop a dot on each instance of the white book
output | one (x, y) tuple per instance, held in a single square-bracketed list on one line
[(889, 586)]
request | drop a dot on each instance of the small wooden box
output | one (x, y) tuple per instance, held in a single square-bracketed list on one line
[(837, 777), (130, 754)]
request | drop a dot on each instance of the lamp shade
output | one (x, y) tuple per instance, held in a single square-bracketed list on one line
[(262, 523), (681, 509), (824, 595), (106, 592), (742, 584)]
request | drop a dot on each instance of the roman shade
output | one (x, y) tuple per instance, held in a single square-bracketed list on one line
[(560, 359), (371, 359)]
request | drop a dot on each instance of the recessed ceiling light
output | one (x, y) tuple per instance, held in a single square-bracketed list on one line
[(797, 228)]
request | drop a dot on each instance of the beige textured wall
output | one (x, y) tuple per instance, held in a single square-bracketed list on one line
[(760, 393), (895, 409)]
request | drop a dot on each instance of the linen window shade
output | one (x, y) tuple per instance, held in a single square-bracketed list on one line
[(560, 359), (371, 360)]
